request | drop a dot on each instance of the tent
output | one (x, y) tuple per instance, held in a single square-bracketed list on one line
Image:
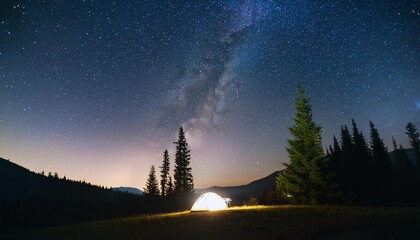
[(209, 202)]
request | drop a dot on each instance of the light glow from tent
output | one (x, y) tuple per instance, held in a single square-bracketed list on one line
[(209, 202)]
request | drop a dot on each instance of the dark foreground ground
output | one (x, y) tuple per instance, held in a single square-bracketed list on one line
[(249, 223)]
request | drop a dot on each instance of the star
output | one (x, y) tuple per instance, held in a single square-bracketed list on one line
[(127, 74)]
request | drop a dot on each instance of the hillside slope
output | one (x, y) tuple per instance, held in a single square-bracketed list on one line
[(29, 200), (240, 193)]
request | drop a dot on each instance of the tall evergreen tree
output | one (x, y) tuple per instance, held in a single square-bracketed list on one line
[(412, 179), (360, 144), (346, 140), (379, 151), (335, 158), (336, 146), (152, 188), (305, 178), (361, 166), (345, 165), (183, 179), (164, 170), (335, 168), (398, 172), (403, 177), (170, 189), (400, 157), (329, 151), (414, 138), (381, 166)]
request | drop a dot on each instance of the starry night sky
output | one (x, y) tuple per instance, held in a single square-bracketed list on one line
[(97, 90)]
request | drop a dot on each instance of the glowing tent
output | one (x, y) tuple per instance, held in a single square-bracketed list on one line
[(209, 202)]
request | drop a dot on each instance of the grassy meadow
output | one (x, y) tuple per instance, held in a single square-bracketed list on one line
[(259, 222)]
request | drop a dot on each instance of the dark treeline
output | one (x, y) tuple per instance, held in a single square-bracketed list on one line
[(31, 200), (367, 174), (355, 170)]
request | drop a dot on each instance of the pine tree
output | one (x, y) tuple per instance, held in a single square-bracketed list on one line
[(152, 188), (381, 166), (403, 176), (304, 179), (346, 140), (170, 189), (335, 158), (345, 166), (412, 196), (379, 151), (400, 157), (361, 166), (164, 174), (399, 171), (334, 165), (361, 147), (414, 137), (329, 151), (183, 178), (336, 146)]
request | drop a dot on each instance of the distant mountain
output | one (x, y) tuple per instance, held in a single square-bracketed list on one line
[(240, 193), (410, 153), (130, 190)]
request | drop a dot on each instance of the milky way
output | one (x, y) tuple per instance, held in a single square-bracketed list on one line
[(198, 99), (96, 90)]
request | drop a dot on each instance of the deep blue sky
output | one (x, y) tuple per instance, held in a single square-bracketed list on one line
[(96, 90)]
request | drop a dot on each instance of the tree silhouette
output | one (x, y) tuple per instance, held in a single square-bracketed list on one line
[(305, 178), (345, 164), (183, 179), (403, 174), (152, 188), (381, 166), (346, 140), (361, 166), (351, 163), (336, 146), (170, 189), (414, 137), (335, 157), (164, 174), (360, 146)]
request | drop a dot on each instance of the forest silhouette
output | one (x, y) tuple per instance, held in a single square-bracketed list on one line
[(353, 171)]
